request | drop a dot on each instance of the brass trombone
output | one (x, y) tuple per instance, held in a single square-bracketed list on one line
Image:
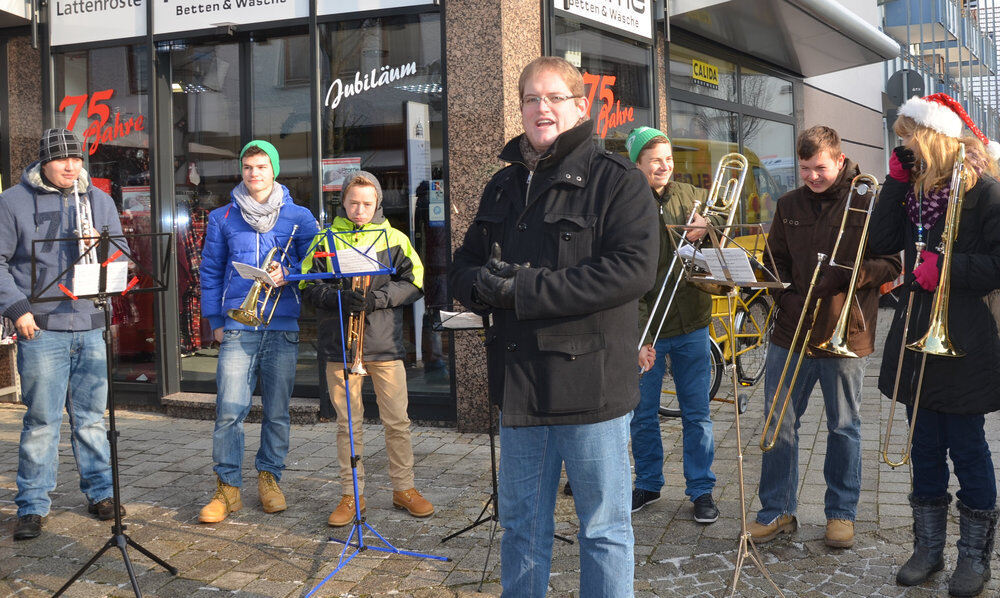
[(723, 199), (862, 185), (250, 311), (356, 328), (936, 341)]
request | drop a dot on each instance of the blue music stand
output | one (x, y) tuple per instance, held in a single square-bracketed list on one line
[(337, 240)]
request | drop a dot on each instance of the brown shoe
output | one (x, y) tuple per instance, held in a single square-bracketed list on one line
[(761, 533), (412, 501), (271, 498), (344, 513), (226, 501), (839, 533)]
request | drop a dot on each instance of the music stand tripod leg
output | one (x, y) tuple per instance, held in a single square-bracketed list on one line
[(118, 538), (745, 545)]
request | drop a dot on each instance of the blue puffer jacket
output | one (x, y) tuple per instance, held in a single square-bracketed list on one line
[(229, 238)]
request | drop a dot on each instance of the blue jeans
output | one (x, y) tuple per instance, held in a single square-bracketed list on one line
[(62, 370), (840, 380), (596, 457), (245, 355), (690, 359), (963, 436)]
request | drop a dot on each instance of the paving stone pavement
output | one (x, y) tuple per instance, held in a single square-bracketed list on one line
[(167, 476)]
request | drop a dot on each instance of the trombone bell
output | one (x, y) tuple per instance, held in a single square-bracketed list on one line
[(937, 341)]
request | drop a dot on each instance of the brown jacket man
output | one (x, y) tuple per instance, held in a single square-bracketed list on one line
[(805, 223)]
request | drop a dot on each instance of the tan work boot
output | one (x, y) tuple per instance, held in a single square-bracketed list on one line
[(839, 533), (271, 498), (412, 501), (761, 533), (226, 501), (344, 513)]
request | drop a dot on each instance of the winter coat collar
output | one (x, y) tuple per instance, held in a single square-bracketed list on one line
[(570, 153), (33, 179)]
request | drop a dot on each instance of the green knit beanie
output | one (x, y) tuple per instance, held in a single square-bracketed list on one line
[(270, 150), (638, 139)]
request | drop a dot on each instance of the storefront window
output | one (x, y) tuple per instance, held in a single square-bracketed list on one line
[(766, 92), (702, 74), (206, 139), (382, 112), (101, 96), (616, 75), (770, 148)]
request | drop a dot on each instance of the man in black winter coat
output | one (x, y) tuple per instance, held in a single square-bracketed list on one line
[(562, 247)]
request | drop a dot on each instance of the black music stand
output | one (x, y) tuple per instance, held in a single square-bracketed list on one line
[(451, 321), (734, 262), (346, 259), (110, 249)]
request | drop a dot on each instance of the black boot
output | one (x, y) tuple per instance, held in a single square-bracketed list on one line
[(975, 547), (930, 528)]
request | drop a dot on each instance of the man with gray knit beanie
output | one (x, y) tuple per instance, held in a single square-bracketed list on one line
[(60, 347)]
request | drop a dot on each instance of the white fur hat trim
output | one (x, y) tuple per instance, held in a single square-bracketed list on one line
[(933, 115)]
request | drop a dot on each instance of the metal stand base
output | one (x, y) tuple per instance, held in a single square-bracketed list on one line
[(746, 548), (118, 538), (491, 507), (356, 538)]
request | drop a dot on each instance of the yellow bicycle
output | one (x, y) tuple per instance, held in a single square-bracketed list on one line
[(754, 311)]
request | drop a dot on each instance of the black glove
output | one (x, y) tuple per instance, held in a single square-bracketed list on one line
[(356, 302), (494, 284), (324, 295), (832, 280), (907, 159)]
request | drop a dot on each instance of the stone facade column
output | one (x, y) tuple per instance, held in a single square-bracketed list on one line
[(486, 46), (22, 113)]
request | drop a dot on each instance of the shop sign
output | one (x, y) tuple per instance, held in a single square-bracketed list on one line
[(435, 208), (173, 16), (611, 114), (705, 74), (335, 169), (83, 21), (628, 16), (103, 129), (333, 7), (360, 82)]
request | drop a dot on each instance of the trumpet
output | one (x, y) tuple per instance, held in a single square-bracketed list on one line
[(862, 185), (85, 228), (936, 341), (250, 311), (723, 199), (356, 328)]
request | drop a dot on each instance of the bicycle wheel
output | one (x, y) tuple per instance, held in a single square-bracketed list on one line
[(668, 396), (753, 329)]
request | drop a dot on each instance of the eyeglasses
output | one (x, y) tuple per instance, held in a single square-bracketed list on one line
[(552, 100)]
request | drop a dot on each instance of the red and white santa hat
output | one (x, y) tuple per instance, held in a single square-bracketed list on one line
[(941, 112)]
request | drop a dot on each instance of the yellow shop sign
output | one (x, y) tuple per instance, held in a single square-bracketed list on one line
[(705, 73)]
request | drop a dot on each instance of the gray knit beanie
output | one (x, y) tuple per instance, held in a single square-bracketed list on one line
[(59, 143), (351, 175)]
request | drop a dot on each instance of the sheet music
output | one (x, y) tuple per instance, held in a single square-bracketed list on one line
[(253, 273), (357, 260), (688, 253), (460, 320), (87, 278), (735, 260)]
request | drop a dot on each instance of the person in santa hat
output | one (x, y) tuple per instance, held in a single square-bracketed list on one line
[(956, 392)]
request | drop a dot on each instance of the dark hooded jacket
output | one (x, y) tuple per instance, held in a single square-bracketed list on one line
[(962, 385), (583, 219), (35, 210), (383, 326), (806, 223)]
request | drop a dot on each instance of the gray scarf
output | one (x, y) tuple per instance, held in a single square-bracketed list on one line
[(261, 216)]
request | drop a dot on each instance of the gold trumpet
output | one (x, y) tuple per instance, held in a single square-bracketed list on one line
[(356, 328), (723, 200), (250, 311), (936, 341), (862, 185)]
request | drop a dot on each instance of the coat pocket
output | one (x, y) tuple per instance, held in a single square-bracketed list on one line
[(573, 235), (490, 227), (572, 366)]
